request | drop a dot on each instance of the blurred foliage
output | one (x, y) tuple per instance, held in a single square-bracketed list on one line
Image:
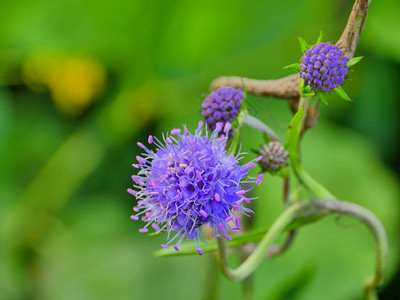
[(65, 158)]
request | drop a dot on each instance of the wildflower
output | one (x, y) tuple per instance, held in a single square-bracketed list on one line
[(222, 105), (273, 156), (188, 182), (323, 67)]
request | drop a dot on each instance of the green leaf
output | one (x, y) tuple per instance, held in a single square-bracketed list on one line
[(354, 61), (293, 135), (301, 85), (322, 96), (341, 93), (189, 247), (321, 36), (303, 44), (295, 66), (234, 143)]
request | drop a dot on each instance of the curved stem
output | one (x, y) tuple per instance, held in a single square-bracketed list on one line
[(302, 213), (260, 126), (255, 258), (378, 231)]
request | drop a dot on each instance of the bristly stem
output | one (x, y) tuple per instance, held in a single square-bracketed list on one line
[(261, 127)]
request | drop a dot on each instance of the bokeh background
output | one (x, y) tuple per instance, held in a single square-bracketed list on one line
[(82, 81)]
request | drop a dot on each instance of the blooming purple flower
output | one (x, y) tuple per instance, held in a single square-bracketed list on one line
[(190, 181), (222, 105), (323, 67), (273, 156)]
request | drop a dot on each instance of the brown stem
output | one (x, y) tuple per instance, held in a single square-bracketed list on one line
[(287, 87)]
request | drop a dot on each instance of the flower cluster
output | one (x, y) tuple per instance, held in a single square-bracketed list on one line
[(190, 181), (323, 67), (273, 156), (222, 105)]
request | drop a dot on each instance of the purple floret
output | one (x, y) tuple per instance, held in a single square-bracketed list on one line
[(190, 181), (323, 67), (222, 105)]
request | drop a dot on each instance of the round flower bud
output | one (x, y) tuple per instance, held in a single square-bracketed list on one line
[(222, 105), (323, 67), (274, 156)]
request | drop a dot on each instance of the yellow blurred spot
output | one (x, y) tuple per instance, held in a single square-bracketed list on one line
[(73, 81)]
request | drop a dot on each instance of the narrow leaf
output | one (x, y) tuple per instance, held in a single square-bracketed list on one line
[(303, 44), (295, 66), (189, 247), (341, 93), (322, 96), (293, 135), (354, 61), (321, 36), (234, 143)]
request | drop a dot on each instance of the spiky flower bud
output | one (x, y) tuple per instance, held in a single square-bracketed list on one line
[(190, 181), (222, 105), (274, 156), (323, 67)]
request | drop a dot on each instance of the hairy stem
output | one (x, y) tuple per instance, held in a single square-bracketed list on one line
[(260, 126)]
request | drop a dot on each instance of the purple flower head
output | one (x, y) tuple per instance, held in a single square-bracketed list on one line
[(323, 67), (274, 156), (222, 105), (190, 181)]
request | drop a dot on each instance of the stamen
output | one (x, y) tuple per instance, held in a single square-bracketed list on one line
[(132, 192), (155, 226), (218, 126), (141, 160), (217, 197), (227, 237), (141, 145), (143, 230), (133, 217), (227, 127), (200, 127), (258, 158), (175, 131), (150, 139), (228, 219), (203, 213), (259, 179), (249, 165)]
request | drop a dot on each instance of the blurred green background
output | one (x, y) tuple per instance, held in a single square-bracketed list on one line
[(82, 81)]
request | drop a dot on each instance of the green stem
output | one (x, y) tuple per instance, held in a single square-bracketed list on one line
[(211, 282), (293, 147), (375, 226), (255, 258), (301, 213)]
